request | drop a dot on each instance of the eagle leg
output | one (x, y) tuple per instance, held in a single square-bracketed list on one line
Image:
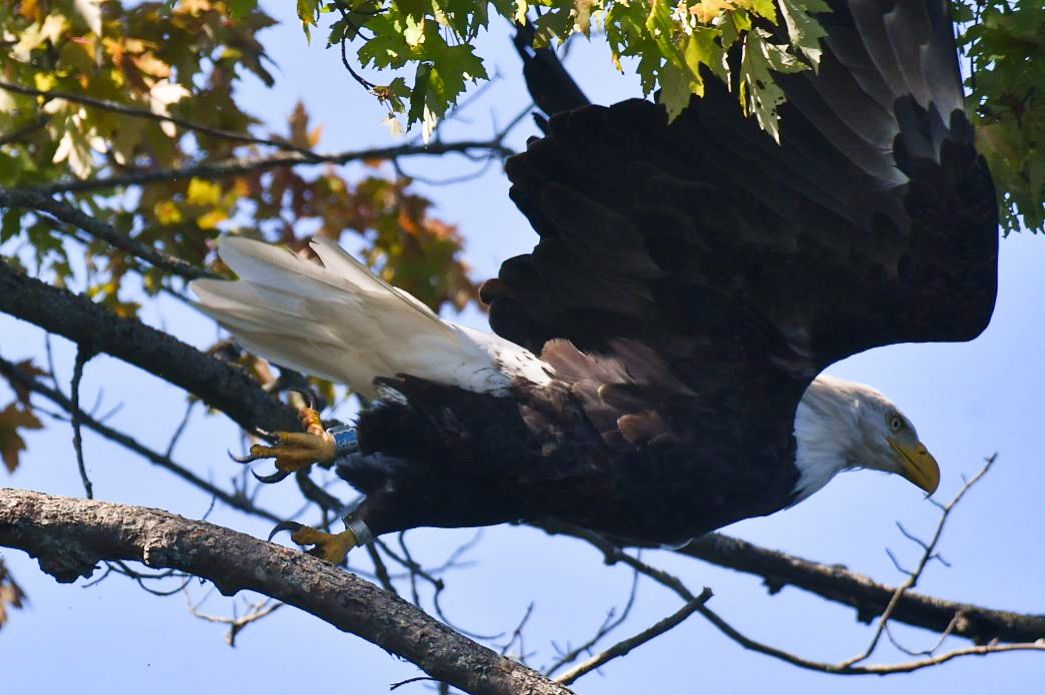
[(332, 547), (295, 451)]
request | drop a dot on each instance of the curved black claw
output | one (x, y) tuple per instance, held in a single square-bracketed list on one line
[(291, 526), (249, 458), (271, 478)]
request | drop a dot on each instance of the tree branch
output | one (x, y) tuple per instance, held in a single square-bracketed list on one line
[(244, 165), (69, 536), (230, 390), (40, 202), (624, 646), (136, 112), (241, 502), (217, 383), (867, 596), (835, 583)]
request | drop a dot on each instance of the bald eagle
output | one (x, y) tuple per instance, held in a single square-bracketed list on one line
[(655, 372)]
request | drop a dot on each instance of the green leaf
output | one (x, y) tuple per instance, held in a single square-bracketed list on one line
[(759, 94), (805, 31), (11, 224), (241, 8), (675, 90)]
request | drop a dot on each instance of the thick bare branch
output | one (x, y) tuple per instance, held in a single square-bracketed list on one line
[(69, 536), (869, 597), (217, 383), (835, 583)]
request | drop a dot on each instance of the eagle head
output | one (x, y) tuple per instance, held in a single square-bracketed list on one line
[(842, 425)]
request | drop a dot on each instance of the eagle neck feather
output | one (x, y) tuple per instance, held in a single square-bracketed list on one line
[(827, 433)]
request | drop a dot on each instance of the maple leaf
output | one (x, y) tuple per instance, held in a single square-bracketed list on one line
[(29, 369), (13, 418)]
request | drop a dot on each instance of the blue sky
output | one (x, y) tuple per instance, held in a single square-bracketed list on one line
[(967, 400)]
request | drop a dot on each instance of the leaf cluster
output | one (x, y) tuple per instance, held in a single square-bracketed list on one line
[(675, 45), (1004, 41)]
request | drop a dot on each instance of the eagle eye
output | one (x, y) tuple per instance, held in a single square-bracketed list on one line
[(895, 423)]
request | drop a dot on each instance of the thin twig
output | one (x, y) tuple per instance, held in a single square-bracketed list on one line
[(415, 679), (517, 636), (255, 612), (611, 623), (856, 670), (18, 133), (136, 112), (245, 165), (83, 354), (625, 646), (380, 570), (180, 429)]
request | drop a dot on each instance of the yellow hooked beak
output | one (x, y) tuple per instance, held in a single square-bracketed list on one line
[(918, 465)]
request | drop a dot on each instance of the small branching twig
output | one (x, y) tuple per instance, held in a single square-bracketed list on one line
[(255, 612), (928, 554), (625, 646), (611, 623), (123, 569), (518, 636)]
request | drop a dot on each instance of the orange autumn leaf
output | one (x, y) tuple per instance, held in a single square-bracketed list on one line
[(13, 418)]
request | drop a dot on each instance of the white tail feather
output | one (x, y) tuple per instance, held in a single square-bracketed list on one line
[(338, 321)]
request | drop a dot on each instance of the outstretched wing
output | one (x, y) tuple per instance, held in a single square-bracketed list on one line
[(744, 266)]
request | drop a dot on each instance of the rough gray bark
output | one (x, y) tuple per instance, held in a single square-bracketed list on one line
[(70, 536)]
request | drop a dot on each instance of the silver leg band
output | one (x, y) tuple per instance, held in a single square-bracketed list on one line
[(360, 530)]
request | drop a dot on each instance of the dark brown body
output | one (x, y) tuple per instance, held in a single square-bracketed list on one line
[(451, 458)]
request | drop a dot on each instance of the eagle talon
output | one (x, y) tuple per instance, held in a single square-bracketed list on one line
[(332, 547), (291, 526), (293, 451)]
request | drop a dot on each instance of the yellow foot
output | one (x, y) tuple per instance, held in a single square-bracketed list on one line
[(332, 547), (294, 451)]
